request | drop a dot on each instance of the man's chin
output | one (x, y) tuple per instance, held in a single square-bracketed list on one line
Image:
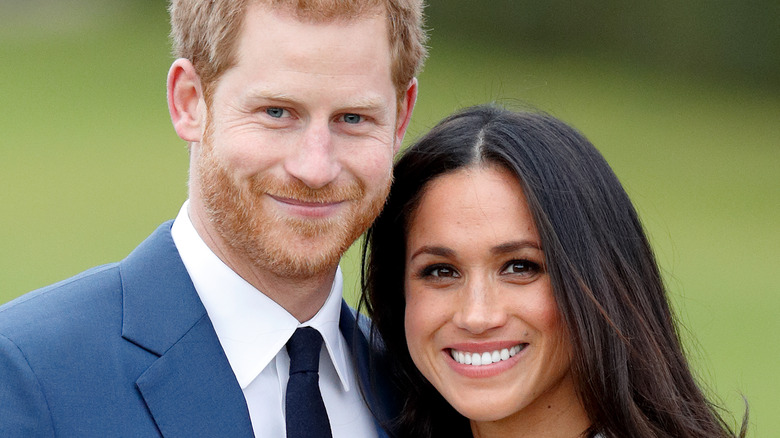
[(302, 265), (299, 254)]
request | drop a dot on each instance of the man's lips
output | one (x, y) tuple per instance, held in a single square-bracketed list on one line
[(301, 203), (309, 208)]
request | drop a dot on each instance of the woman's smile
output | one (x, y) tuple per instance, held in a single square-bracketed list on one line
[(485, 358)]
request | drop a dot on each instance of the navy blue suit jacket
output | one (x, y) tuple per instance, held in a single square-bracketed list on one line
[(127, 349)]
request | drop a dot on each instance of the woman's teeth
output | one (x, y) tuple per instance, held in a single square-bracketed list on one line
[(486, 358)]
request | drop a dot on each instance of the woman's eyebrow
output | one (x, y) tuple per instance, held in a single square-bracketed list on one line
[(509, 247), (433, 250)]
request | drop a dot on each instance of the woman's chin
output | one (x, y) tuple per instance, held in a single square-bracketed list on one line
[(484, 412)]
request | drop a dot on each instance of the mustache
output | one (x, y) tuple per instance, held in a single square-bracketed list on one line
[(297, 190)]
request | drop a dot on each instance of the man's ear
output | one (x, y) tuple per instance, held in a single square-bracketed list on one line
[(406, 105), (185, 100)]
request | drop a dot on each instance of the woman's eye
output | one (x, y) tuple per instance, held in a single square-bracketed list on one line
[(352, 119), (440, 271), (523, 267), (276, 113)]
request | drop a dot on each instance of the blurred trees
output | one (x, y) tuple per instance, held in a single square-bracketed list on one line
[(737, 38)]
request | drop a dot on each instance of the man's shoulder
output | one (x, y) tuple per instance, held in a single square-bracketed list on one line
[(57, 307), (66, 354), (92, 275), (85, 301)]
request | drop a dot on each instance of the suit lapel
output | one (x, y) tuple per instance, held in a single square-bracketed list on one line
[(372, 370), (190, 389)]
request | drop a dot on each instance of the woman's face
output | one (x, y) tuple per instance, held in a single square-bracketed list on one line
[(481, 321)]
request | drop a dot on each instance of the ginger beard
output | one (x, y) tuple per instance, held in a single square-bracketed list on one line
[(287, 246)]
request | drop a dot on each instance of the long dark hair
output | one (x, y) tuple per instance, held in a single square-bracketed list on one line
[(627, 361)]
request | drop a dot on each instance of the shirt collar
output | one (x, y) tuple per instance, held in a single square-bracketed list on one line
[(251, 327)]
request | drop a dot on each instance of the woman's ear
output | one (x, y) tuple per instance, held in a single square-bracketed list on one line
[(185, 100)]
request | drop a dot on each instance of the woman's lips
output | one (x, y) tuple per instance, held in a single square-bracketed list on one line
[(483, 360)]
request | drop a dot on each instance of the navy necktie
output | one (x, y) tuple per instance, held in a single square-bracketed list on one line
[(306, 416)]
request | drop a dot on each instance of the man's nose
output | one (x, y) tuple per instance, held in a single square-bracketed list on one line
[(480, 308), (314, 160)]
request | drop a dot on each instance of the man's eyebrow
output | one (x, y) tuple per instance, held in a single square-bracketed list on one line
[(433, 250), (365, 103), (509, 247), (265, 94)]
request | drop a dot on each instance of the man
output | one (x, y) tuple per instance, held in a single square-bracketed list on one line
[(293, 111)]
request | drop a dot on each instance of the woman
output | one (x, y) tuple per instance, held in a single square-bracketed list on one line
[(513, 286)]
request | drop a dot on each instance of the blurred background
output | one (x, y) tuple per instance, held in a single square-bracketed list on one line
[(682, 98)]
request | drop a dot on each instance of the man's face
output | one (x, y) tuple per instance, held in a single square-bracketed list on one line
[(296, 158)]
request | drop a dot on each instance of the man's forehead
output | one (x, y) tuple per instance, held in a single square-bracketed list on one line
[(335, 48)]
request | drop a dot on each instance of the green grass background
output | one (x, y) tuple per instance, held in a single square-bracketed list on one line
[(89, 165)]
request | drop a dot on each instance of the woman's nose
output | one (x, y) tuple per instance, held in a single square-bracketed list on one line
[(480, 309)]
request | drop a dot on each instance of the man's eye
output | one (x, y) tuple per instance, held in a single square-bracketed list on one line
[(276, 113), (352, 119)]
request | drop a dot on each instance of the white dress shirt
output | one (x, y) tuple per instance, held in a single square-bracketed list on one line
[(253, 331)]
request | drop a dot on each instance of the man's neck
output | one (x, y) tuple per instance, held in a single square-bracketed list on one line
[(302, 298)]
